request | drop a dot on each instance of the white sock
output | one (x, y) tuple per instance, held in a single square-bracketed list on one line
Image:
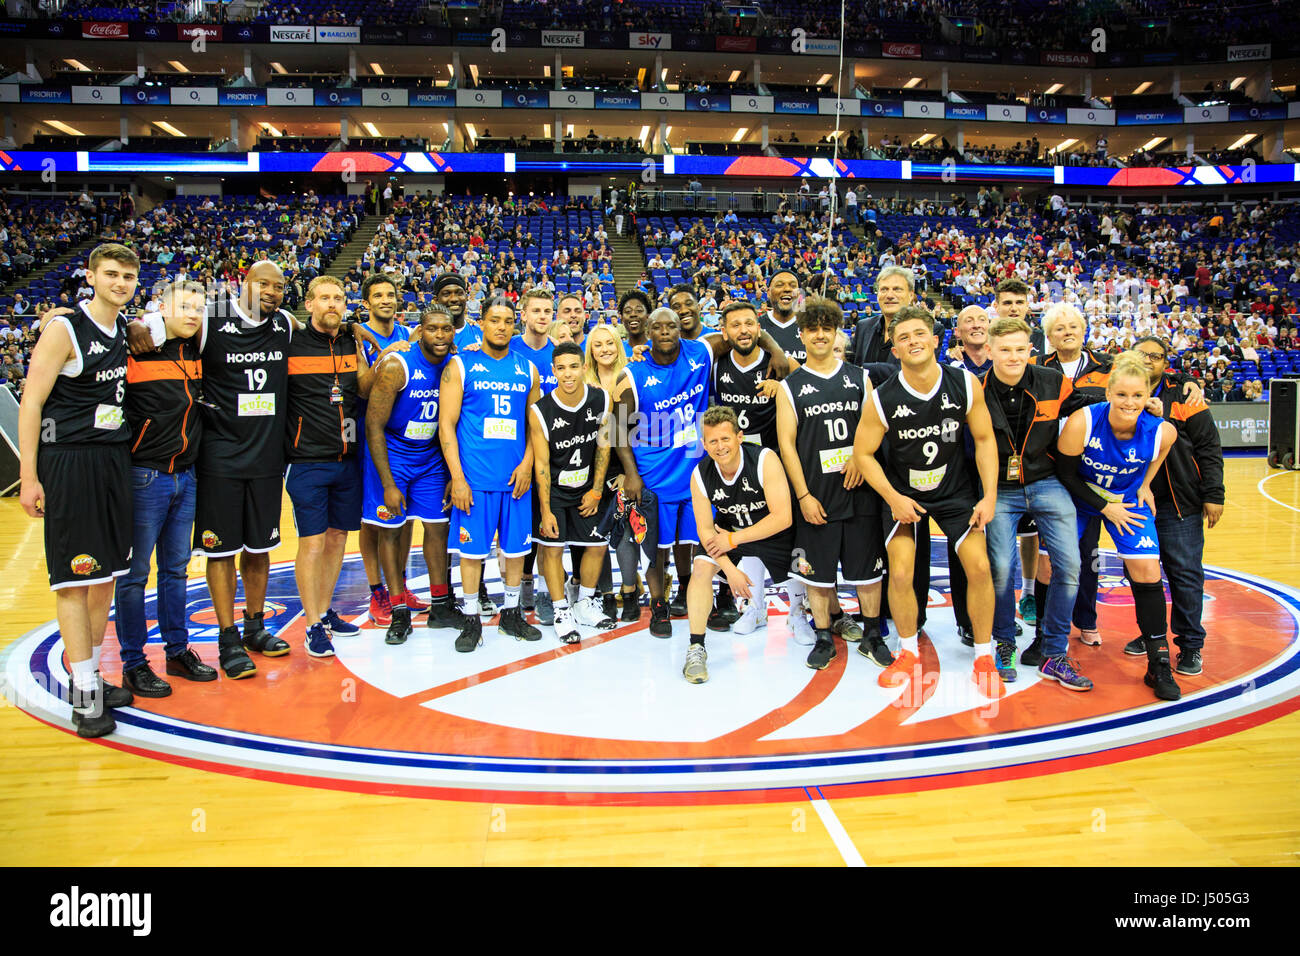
[(984, 650), (796, 592), (584, 593), (512, 597), (95, 654), (471, 604), (909, 644), (757, 574), (83, 675), (1028, 585), (561, 605)]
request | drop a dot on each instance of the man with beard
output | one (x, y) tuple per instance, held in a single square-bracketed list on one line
[(406, 478), (573, 313), (450, 291), (780, 320), (633, 308)]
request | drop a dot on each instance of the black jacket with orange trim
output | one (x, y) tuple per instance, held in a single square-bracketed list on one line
[(318, 428), (162, 392), (1054, 399), (1192, 473)]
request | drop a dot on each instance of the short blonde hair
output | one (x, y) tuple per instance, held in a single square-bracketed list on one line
[(323, 280), (1129, 364), (1062, 310), (1008, 327)]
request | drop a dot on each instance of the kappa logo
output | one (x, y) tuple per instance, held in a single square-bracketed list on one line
[(275, 534), (725, 377), (651, 381), (1146, 542), (808, 389), (230, 328), (719, 495), (558, 423), (1094, 443), (902, 411), (478, 367), (418, 376), (96, 349)]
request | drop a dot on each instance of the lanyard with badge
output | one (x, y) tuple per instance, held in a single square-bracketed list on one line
[(1013, 460), (196, 382)]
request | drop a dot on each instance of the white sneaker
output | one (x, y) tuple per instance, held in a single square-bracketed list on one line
[(752, 618), (800, 627), (590, 613), (487, 608), (566, 629), (697, 668)]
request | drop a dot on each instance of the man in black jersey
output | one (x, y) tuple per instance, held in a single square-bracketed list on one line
[(780, 321), (75, 471), (919, 412), (568, 429), (742, 510), (838, 521)]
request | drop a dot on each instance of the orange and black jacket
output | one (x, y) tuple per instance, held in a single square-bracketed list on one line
[(162, 412), (1054, 399), (318, 429), (1094, 374), (1192, 473)]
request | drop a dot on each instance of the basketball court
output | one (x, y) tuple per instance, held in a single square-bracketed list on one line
[(600, 753)]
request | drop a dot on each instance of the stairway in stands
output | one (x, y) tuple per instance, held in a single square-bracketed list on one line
[(350, 252), (629, 260)]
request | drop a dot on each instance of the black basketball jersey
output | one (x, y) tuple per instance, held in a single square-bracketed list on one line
[(786, 336), (827, 408), (86, 405), (572, 434), (926, 456), (736, 385), (246, 376), (742, 501)]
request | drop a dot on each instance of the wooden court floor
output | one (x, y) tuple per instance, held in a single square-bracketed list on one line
[(1234, 800)]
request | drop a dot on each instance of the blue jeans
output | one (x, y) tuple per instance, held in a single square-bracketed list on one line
[(1053, 509), (164, 518), (1182, 546)]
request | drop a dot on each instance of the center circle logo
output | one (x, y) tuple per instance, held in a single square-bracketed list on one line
[(612, 719)]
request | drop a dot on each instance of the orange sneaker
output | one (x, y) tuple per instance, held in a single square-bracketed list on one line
[(987, 679), (906, 667)]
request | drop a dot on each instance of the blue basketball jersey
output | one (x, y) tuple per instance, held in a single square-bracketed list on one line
[(1112, 467), (467, 335), (541, 358), (492, 431), (412, 429), (400, 334), (669, 400)]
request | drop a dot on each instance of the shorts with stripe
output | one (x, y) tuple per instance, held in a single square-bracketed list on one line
[(89, 512), (952, 516), (854, 546), (422, 483), (237, 514)]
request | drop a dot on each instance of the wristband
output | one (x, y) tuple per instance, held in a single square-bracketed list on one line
[(731, 538), (803, 496)]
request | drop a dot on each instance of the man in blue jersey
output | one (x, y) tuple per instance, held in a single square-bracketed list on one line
[(573, 313), (683, 300), (657, 440), (406, 477), (379, 292), (483, 430), (449, 290)]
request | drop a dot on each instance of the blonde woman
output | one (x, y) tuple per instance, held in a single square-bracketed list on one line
[(559, 332), (1125, 447), (606, 358)]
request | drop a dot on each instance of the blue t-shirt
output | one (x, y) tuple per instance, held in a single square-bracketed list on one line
[(541, 358), (669, 400), (1112, 467), (492, 430)]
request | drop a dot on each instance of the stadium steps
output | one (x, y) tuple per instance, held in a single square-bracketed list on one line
[(629, 260), (349, 253), (79, 251)]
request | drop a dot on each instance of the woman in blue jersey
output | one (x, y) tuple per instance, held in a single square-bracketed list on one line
[(1107, 455)]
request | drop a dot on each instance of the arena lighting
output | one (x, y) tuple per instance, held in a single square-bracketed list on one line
[(279, 68), (377, 69), (546, 70), (1054, 88), (1149, 144), (663, 75), (668, 130), (735, 75), (1243, 140), (1063, 144), (168, 128), (178, 66), (77, 65), (740, 134), (1236, 82), (546, 130), (473, 72), (923, 139), (826, 78), (569, 130), (271, 129), (1141, 88), (645, 131), (473, 133), (370, 128), (450, 70), (911, 83), (64, 128)]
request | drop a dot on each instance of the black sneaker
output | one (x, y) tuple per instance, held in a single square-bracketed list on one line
[(677, 606), (1136, 648), (1032, 656), (91, 715), (631, 607), (1189, 662), (232, 657), (444, 614), (512, 622), (660, 625), (873, 648), (609, 606), (966, 636), (187, 664), (527, 594), (143, 681), (471, 635), (399, 629), (823, 652), (114, 696), (1158, 676), (258, 638), (724, 612)]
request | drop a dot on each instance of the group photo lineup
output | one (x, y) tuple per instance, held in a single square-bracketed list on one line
[(595, 433)]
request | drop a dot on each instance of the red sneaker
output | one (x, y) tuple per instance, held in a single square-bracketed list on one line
[(381, 607), (413, 602), (906, 667), (987, 678)]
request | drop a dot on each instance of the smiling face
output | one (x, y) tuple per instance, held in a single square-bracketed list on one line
[(605, 346), (1067, 336), (722, 442), (381, 301), (327, 303), (973, 327), (633, 315), (782, 294), (1127, 394), (437, 333), (572, 313), (568, 373), (453, 297), (742, 331), (263, 290), (537, 315), (114, 281), (892, 293), (915, 343), (1010, 354), (819, 340), (687, 308)]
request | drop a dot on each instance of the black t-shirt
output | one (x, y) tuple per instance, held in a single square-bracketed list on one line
[(1019, 409)]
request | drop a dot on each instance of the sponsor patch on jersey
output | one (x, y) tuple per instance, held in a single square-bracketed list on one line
[(499, 428), (255, 403), (465, 536), (84, 564), (573, 479), (108, 417), (210, 539), (420, 431), (383, 514), (834, 459), (926, 480)]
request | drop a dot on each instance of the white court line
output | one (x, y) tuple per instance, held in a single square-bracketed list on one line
[(1260, 488), (839, 836)]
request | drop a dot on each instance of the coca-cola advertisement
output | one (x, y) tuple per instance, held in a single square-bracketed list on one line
[(902, 51), (104, 30)]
